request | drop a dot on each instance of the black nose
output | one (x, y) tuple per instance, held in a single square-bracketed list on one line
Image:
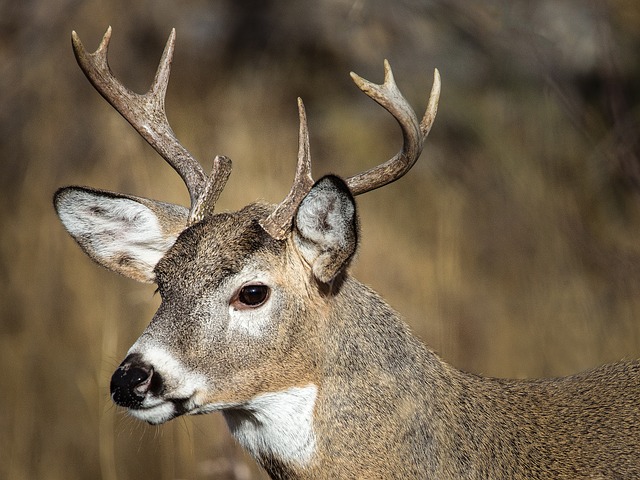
[(132, 381)]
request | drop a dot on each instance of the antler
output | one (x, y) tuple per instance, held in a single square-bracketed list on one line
[(146, 113), (414, 134), (279, 222)]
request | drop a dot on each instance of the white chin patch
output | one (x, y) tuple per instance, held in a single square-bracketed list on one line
[(161, 413)]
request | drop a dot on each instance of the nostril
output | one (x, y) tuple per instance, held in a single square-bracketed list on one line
[(137, 376), (130, 383), (142, 380)]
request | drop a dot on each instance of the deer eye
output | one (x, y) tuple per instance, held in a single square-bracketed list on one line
[(251, 296)]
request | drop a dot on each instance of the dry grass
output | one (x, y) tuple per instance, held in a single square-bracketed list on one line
[(512, 248)]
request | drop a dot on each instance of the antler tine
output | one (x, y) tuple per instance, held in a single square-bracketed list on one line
[(212, 190), (278, 223), (414, 133), (146, 113)]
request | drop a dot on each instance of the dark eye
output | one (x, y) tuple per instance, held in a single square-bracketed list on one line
[(252, 295)]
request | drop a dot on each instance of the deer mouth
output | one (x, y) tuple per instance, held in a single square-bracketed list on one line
[(157, 414), (158, 410)]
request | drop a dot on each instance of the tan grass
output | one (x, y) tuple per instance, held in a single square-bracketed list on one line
[(510, 248)]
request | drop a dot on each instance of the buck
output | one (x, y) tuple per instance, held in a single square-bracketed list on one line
[(316, 376)]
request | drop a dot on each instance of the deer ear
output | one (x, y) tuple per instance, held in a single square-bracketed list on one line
[(326, 228), (123, 233)]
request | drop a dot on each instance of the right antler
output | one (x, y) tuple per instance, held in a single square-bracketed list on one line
[(146, 113), (414, 134)]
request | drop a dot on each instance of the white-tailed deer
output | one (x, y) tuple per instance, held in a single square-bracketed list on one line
[(316, 376)]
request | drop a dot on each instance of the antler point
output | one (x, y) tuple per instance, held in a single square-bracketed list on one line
[(388, 73), (106, 38), (360, 82), (75, 38), (302, 113)]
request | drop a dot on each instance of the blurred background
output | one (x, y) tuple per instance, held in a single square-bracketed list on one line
[(512, 248)]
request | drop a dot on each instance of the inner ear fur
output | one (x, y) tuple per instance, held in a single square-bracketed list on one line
[(326, 228), (123, 233)]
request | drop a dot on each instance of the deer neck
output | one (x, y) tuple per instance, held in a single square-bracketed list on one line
[(366, 357)]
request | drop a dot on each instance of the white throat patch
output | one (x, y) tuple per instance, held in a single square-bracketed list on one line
[(277, 424)]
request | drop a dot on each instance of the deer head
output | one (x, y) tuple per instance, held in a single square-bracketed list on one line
[(245, 295)]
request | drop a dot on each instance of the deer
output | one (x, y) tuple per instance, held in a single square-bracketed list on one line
[(315, 374)]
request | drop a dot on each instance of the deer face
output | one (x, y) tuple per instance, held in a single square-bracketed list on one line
[(239, 308), (227, 328)]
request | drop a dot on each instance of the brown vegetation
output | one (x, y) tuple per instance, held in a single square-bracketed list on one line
[(512, 248)]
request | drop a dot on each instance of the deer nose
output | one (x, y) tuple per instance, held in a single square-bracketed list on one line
[(132, 381)]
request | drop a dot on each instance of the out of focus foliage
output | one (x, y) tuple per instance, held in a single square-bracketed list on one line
[(512, 248)]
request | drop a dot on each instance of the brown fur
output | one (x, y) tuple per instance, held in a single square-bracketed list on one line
[(387, 406)]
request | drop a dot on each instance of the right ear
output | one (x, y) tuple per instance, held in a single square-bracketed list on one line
[(123, 233), (326, 228)]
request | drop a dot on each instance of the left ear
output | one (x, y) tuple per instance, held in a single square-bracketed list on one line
[(123, 233), (326, 228)]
